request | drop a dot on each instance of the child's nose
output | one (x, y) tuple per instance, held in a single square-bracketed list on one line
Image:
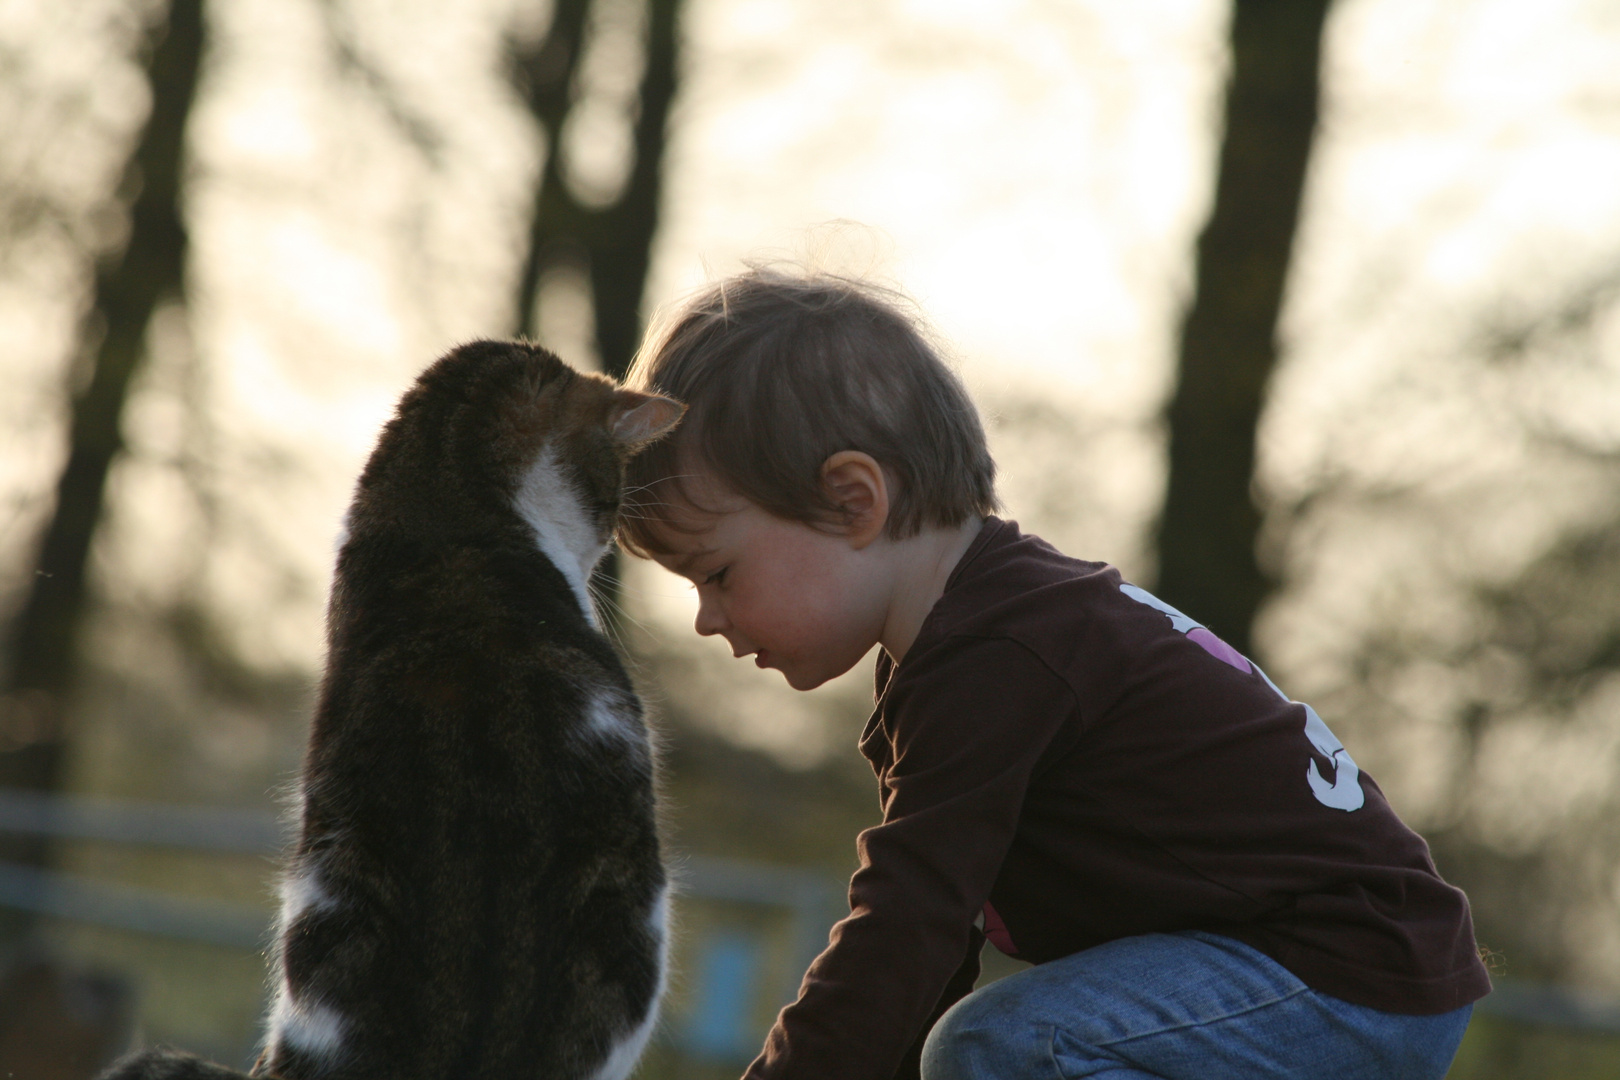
[(709, 620)]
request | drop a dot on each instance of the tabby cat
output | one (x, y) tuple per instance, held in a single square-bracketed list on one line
[(477, 888)]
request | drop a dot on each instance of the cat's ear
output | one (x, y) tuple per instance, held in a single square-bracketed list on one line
[(637, 418)]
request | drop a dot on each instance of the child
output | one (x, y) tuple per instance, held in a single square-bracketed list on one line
[(1068, 767)]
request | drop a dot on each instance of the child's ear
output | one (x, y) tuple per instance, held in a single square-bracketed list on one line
[(856, 483), (637, 418)]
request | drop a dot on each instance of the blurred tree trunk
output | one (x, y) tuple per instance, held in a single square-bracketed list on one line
[(41, 655), (1207, 531), (613, 242)]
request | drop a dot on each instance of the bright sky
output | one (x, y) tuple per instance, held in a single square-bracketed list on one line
[(1033, 172), (1037, 174)]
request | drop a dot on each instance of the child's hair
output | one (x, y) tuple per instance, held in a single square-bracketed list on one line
[(779, 371)]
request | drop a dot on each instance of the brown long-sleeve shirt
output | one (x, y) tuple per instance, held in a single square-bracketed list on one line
[(1064, 760)]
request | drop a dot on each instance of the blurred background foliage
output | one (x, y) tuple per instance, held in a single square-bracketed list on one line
[(1307, 313)]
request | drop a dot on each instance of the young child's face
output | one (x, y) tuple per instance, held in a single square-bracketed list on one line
[(801, 600)]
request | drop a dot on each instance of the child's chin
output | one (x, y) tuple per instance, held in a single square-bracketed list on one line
[(803, 681)]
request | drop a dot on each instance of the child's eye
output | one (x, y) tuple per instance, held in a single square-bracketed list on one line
[(717, 577)]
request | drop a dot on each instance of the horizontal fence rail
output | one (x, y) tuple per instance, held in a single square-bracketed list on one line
[(1551, 1006), (125, 907), (813, 901), (119, 821), (250, 832)]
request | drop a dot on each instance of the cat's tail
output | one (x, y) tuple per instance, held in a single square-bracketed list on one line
[(164, 1064)]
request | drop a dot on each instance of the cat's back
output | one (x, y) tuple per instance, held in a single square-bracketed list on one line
[(477, 888)]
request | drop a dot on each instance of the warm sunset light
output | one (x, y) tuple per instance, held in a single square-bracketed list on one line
[(1437, 454)]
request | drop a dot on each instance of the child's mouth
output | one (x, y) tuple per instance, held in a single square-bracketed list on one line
[(759, 659)]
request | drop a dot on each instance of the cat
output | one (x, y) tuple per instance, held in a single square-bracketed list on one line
[(477, 888)]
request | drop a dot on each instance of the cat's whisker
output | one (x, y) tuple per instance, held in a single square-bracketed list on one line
[(619, 615), (663, 480), (620, 612), (639, 503), (633, 515)]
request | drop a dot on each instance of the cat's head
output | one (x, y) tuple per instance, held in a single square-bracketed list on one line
[(509, 423)]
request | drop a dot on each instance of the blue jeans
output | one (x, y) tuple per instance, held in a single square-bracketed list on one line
[(1186, 1006)]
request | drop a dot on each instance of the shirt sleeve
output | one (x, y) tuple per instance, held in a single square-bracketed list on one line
[(959, 987), (966, 723)]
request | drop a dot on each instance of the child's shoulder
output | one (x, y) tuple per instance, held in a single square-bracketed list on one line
[(1010, 576), (1074, 614)]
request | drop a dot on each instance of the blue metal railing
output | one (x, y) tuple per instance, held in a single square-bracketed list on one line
[(730, 966), (248, 832), (125, 907), (1552, 1006), (812, 901)]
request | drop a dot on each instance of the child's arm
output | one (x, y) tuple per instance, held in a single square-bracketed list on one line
[(955, 751), (960, 986)]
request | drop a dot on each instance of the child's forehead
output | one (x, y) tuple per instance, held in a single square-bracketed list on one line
[(685, 548), (691, 506), (699, 490), (693, 499), (682, 557)]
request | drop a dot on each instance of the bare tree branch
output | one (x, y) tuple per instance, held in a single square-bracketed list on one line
[(352, 62)]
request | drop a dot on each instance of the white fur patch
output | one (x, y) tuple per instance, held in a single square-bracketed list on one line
[(311, 1029), (308, 1027), (658, 921), (342, 536), (562, 528), (621, 1060), (609, 715), (299, 893)]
